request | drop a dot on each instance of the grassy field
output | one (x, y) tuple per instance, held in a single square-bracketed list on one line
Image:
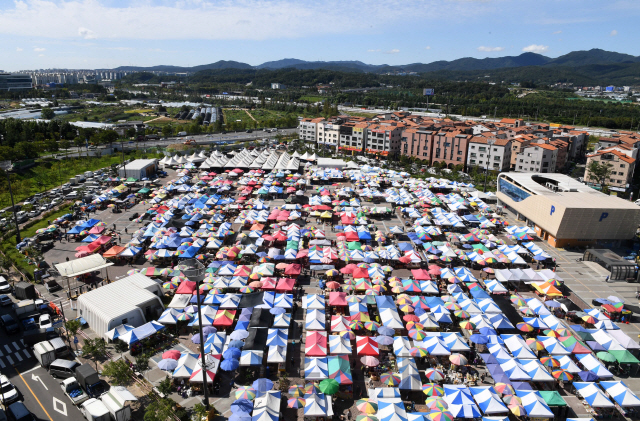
[(312, 98), (149, 110), (232, 115)]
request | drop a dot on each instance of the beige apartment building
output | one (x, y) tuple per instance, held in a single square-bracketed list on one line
[(622, 168)]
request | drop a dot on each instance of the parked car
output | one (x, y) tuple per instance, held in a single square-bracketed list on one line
[(5, 287), (9, 324), (8, 392), (45, 321), (5, 300)]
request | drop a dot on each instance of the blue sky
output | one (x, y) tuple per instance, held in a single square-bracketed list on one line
[(38, 34)]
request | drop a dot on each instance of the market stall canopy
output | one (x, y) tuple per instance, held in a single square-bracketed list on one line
[(81, 266)]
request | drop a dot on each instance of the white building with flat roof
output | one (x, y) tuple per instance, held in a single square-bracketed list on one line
[(565, 212)]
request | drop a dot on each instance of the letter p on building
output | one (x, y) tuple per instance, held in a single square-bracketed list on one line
[(553, 209), (604, 215)]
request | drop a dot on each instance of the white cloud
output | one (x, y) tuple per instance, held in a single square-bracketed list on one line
[(120, 48), (613, 33), (40, 55), (224, 19), (428, 47), (534, 48), (394, 51), (490, 49), (557, 32), (38, 49), (374, 51), (86, 33), (18, 49)]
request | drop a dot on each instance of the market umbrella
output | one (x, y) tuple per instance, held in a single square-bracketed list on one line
[(168, 364), (517, 410), (479, 339), (458, 359), (562, 374), (296, 390), (550, 362), (172, 353), (262, 385), (440, 415), (504, 388), (390, 379), (366, 418), (296, 403), (369, 361), (367, 406), (242, 405), (245, 392), (433, 389), (512, 400), (436, 403), (232, 354), (229, 365), (525, 327), (434, 374), (329, 386), (606, 357)]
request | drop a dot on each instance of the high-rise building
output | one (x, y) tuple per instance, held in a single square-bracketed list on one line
[(14, 82)]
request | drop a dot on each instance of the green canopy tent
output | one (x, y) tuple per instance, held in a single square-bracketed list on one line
[(624, 357), (552, 398)]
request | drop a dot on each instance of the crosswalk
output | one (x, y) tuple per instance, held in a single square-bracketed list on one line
[(13, 353)]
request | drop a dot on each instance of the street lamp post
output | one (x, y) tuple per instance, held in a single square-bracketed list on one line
[(490, 142), (194, 271)]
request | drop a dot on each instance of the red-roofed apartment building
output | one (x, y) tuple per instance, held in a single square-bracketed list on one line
[(622, 167), (417, 143), (497, 155), (537, 158), (512, 122), (451, 148)]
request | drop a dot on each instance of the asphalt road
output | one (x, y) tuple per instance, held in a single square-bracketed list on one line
[(39, 391), (201, 140)]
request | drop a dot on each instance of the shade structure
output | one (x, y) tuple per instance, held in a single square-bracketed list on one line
[(329, 386), (366, 345)]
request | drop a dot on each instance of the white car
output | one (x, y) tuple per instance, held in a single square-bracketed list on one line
[(45, 321), (8, 391), (5, 287)]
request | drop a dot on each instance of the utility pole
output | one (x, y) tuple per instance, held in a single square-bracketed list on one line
[(490, 142)]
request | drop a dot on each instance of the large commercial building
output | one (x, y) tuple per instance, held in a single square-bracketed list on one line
[(565, 212), (14, 82)]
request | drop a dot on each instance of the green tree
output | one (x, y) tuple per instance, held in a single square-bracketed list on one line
[(159, 410), (167, 130), (120, 347), (142, 362), (599, 173), (131, 132), (94, 349), (47, 113), (119, 372), (165, 386), (72, 327)]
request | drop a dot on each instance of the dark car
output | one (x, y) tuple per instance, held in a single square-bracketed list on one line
[(9, 324), (134, 216)]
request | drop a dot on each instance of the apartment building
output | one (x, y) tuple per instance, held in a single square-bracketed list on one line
[(537, 158), (512, 122), (451, 148), (622, 168), (353, 136), (517, 145), (491, 153), (308, 129), (417, 143), (329, 133), (563, 152), (383, 139)]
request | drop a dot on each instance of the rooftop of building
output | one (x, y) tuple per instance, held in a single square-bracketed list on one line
[(570, 193)]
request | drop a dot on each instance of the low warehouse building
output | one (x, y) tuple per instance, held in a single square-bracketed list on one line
[(565, 212), (139, 169), (133, 300)]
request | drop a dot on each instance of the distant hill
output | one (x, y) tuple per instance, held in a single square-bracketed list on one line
[(581, 67)]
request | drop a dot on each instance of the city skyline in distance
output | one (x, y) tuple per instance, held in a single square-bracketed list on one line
[(89, 34)]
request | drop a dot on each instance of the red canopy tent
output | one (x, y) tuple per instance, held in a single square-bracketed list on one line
[(338, 299), (186, 287), (293, 269), (349, 268), (360, 273), (316, 344), (420, 274), (367, 346), (113, 251), (285, 284), (268, 284)]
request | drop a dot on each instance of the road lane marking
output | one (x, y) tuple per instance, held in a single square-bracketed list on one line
[(57, 401), (38, 379), (22, 342), (30, 370), (2, 364), (8, 349), (25, 352), (18, 357), (34, 395), (10, 360), (15, 345)]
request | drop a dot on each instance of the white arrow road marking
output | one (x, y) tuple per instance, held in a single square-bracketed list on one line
[(57, 402), (38, 379)]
